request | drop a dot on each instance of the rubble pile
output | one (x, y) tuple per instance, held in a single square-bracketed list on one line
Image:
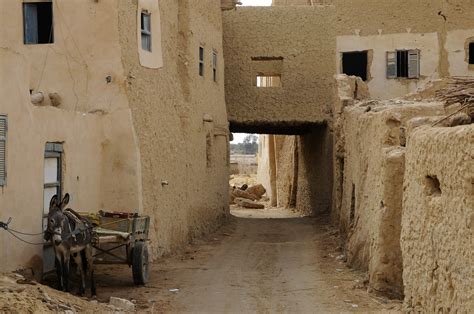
[(28, 296), (246, 196)]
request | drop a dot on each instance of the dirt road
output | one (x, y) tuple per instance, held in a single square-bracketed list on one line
[(253, 265)]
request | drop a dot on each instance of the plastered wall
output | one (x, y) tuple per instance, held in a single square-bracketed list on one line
[(100, 165), (437, 226)]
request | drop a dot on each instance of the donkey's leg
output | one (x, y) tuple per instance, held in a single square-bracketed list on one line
[(78, 260), (66, 272), (90, 265), (59, 271)]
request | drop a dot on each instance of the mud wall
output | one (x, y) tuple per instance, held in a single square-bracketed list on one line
[(439, 29), (372, 188), (291, 48), (101, 168), (437, 223), (180, 120)]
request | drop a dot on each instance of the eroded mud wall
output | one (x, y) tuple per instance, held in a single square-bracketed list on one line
[(371, 206), (314, 186), (437, 224), (297, 43), (180, 120)]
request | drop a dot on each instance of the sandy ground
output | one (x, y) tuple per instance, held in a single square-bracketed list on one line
[(286, 265), (272, 261)]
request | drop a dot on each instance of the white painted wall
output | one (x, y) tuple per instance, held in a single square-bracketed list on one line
[(457, 54), (379, 86)]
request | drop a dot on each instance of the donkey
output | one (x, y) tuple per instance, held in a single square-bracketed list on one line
[(71, 235)]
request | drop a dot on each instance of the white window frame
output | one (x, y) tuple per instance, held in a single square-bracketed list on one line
[(145, 30), (3, 141), (413, 64)]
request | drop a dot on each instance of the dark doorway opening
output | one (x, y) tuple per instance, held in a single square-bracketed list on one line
[(355, 63)]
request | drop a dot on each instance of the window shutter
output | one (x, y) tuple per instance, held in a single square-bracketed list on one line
[(3, 150), (30, 23), (413, 63), (391, 64)]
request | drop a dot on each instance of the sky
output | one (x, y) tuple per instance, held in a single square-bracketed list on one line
[(239, 137), (256, 2)]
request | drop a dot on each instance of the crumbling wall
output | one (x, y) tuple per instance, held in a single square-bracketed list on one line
[(372, 190), (437, 222)]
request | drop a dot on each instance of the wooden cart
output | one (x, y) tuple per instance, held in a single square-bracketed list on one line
[(119, 240)]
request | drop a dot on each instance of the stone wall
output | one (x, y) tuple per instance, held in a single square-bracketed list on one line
[(438, 220)]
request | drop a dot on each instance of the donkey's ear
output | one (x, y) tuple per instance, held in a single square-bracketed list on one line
[(53, 202), (65, 201)]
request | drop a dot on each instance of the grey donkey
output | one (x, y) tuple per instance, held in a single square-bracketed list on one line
[(71, 236)]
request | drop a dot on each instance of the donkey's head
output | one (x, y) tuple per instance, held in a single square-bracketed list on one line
[(56, 219)]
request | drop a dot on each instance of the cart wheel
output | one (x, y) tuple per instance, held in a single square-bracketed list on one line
[(140, 263)]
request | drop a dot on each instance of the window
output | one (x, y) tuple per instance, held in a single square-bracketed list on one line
[(146, 31), (38, 23), (3, 150), (268, 81), (471, 53), (214, 66), (52, 173), (403, 64), (355, 63), (201, 61)]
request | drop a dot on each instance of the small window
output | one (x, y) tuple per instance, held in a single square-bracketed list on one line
[(146, 31), (214, 66), (471, 53), (38, 23), (201, 61), (268, 81), (403, 64), (355, 63), (3, 150)]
